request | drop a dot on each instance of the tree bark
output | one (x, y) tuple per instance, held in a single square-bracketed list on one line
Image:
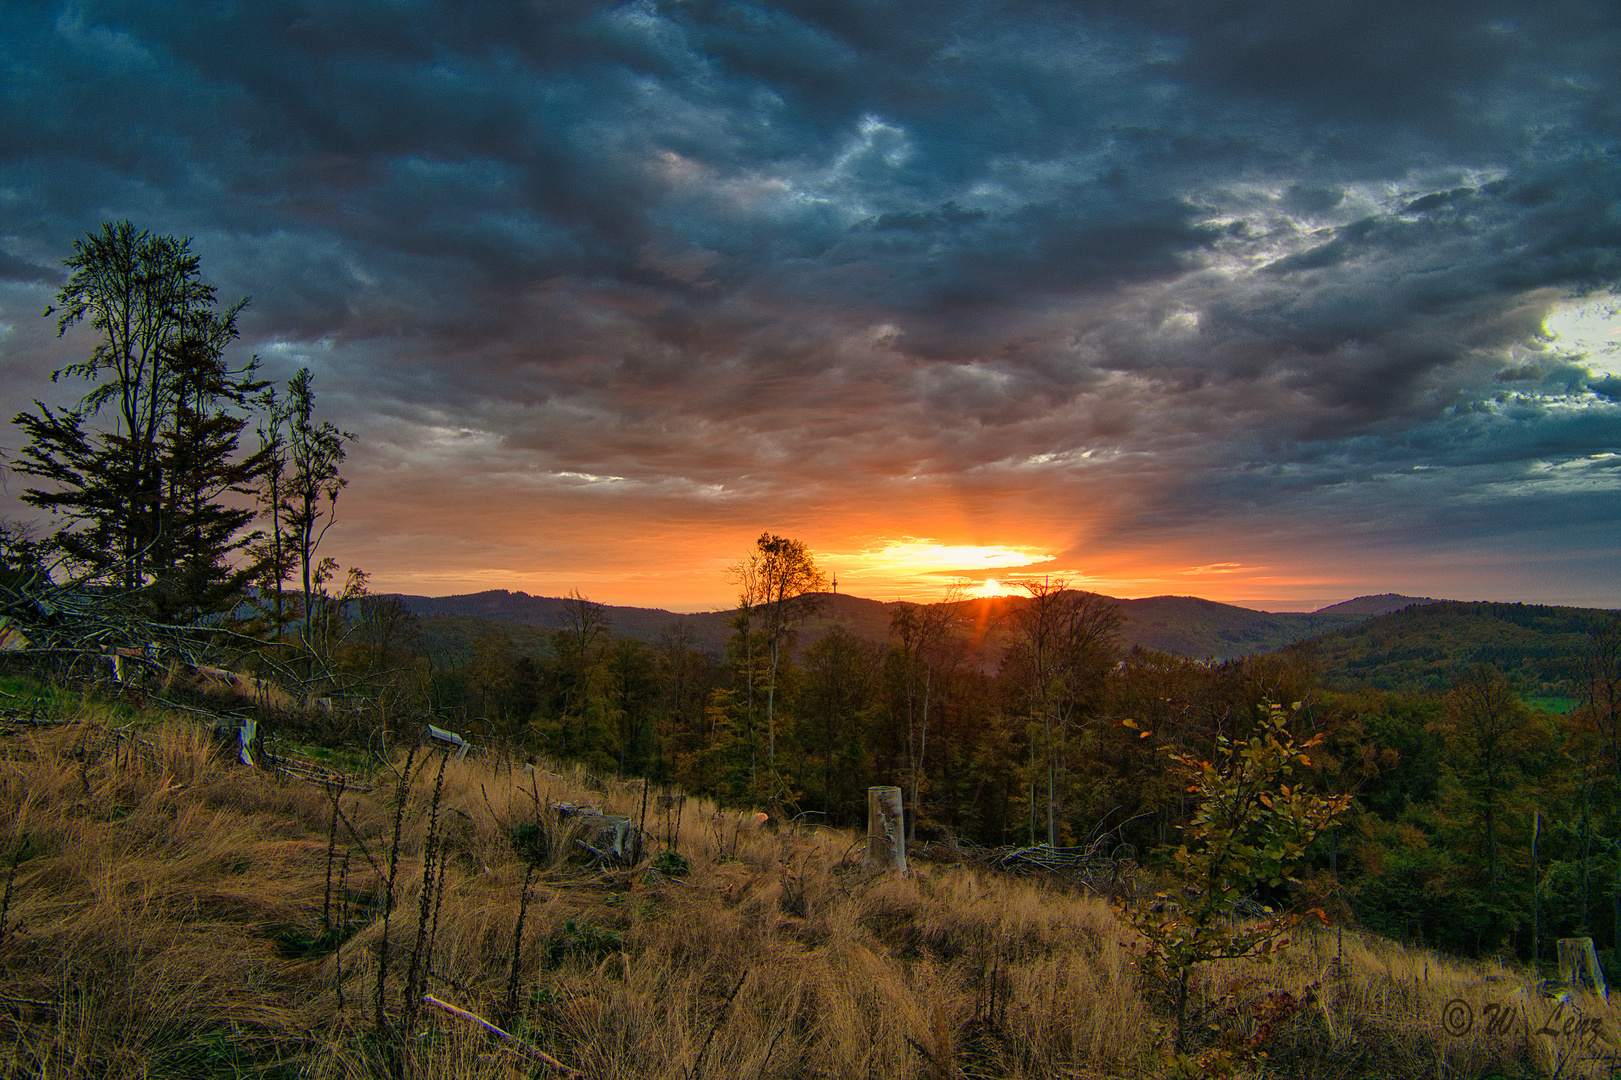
[(886, 829)]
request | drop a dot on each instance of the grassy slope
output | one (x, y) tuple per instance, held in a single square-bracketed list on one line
[(156, 889)]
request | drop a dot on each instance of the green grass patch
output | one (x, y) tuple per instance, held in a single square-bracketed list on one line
[(672, 864), (29, 695), (347, 760), (1559, 705), (531, 843), (583, 942), (217, 1055)]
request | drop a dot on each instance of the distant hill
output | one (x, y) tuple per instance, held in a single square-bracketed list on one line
[(1383, 604), (452, 638), (452, 624), (500, 605), (1189, 626), (1426, 647), (1183, 625)]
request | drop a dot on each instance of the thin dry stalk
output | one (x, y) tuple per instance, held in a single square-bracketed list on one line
[(343, 921), (703, 1052), (331, 851), (5, 904), (528, 1050), (430, 853), (517, 945), (401, 791), (641, 827)]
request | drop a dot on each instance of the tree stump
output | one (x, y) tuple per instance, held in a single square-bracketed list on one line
[(237, 740), (1576, 959), (886, 831), (611, 840)]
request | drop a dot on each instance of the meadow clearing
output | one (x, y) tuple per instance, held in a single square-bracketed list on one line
[(171, 913)]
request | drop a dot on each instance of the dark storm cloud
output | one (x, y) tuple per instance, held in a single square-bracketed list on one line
[(14, 269), (1251, 254)]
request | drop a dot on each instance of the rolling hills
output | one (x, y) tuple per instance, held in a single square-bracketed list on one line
[(1183, 625), (1389, 641)]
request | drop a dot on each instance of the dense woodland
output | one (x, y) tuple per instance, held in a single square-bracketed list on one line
[(1480, 823), (1449, 783)]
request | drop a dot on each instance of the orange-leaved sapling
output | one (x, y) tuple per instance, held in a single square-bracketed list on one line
[(1252, 823)]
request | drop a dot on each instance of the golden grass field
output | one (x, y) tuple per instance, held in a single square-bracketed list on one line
[(160, 917)]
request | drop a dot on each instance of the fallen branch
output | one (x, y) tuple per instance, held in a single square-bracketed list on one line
[(28, 1007), (531, 1052)]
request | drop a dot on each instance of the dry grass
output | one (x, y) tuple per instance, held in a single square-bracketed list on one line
[(163, 906)]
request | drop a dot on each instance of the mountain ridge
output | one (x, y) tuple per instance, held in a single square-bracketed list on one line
[(1184, 625)]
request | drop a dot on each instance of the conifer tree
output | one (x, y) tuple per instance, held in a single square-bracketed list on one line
[(137, 469)]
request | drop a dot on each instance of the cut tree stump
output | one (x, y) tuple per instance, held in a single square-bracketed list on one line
[(886, 831), (611, 839), (1577, 959)]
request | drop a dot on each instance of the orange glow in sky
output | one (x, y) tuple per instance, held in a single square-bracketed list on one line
[(722, 295), (930, 565), (989, 587), (685, 569)]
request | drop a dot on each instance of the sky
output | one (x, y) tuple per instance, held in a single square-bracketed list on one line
[(1272, 303)]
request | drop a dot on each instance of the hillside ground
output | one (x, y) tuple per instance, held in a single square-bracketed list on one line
[(167, 913)]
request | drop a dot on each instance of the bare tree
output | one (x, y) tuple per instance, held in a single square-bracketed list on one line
[(578, 645), (308, 483), (922, 633), (1067, 641), (751, 595), (779, 579)]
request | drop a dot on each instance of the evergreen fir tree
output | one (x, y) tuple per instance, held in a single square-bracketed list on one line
[(137, 469)]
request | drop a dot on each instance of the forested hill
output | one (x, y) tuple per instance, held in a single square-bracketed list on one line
[(1183, 625), (550, 613), (1423, 648), (1189, 626)]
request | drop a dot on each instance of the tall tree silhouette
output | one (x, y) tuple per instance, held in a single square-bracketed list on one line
[(309, 482), (138, 467), (1065, 643), (921, 633), (779, 580)]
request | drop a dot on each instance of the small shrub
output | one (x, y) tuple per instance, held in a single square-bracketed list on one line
[(672, 864), (1250, 828), (583, 942), (531, 843)]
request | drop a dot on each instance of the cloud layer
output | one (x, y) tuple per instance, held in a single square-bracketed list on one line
[(1141, 288)]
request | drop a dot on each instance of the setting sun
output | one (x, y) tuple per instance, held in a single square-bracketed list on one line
[(989, 587)]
